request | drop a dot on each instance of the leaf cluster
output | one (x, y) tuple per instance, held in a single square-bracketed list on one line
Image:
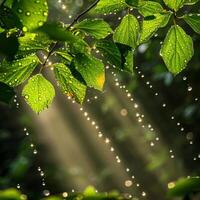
[(30, 44)]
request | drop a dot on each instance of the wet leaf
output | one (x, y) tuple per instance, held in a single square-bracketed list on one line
[(64, 56), (129, 61), (193, 20), (31, 43), (68, 83), (38, 93), (32, 13), (110, 51), (128, 31), (174, 4), (177, 49), (91, 69), (58, 33), (16, 72), (150, 26), (147, 8), (108, 6), (97, 28), (190, 2)]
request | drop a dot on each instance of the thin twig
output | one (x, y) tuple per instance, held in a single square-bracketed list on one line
[(83, 13), (74, 22)]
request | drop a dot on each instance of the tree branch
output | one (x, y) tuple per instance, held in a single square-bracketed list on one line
[(74, 22), (83, 13)]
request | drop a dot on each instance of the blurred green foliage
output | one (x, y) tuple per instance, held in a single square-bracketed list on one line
[(89, 194)]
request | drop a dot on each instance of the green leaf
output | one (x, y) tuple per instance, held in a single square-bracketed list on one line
[(90, 191), (58, 33), (133, 3), (174, 4), (177, 49), (32, 42), (1, 30), (38, 93), (6, 93), (129, 61), (97, 28), (151, 24), (91, 69), (110, 51), (11, 194), (110, 6), (53, 198), (32, 13), (8, 3), (8, 44), (68, 83), (8, 19), (128, 31), (147, 8), (193, 20), (184, 187), (190, 2), (16, 72), (64, 56)]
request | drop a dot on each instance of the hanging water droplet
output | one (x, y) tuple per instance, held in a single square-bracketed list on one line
[(128, 183), (46, 193), (189, 88), (35, 151)]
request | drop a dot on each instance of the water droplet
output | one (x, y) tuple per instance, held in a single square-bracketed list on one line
[(128, 183)]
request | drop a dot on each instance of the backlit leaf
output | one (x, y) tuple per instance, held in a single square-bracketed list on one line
[(194, 21), (16, 72), (110, 6), (110, 51), (147, 8), (174, 4), (38, 93), (128, 31), (129, 61), (32, 13), (177, 49), (58, 33), (151, 25), (190, 2), (68, 83), (91, 69), (97, 28), (32, 42)]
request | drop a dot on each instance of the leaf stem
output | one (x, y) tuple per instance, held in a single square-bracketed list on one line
[(54, 45)]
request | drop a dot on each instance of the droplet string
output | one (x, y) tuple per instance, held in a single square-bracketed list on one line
[(138, 115), (34, 151), (189, 87), (107, 141), (179, 125)]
